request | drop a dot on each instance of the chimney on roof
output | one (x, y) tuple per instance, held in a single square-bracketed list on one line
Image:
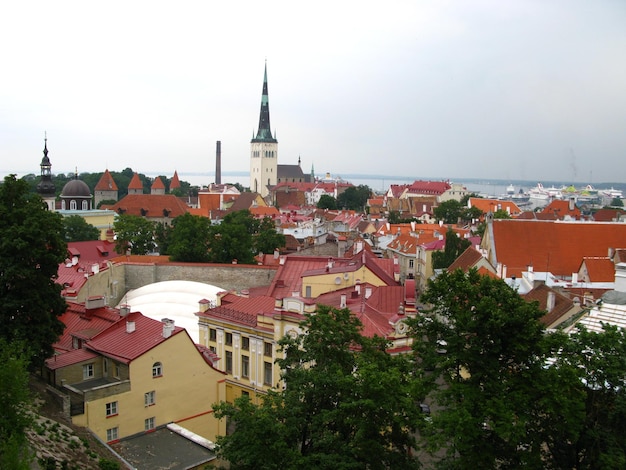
[(574, 278), (218, 162), (368, 292), (124, 310), (204, 305), (611, 253), (550, 301), (343, 303), (96, 301), (572, 203), (168, 327), (130, 326)]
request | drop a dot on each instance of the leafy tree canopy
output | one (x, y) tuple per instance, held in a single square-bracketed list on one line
[(15, 399), (354, 198), (240, 237), (77, 229), (346, 404), (448, 211), (189, 239), (453, 248), (134, 233), (327, 202), (31, 249)]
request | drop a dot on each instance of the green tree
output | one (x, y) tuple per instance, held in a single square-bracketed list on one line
[(134, 233), (501, 214), (335, 410), (448, 211), (617, 202), (266, 239), (31, 249), (595, 364), (77, 229), (189, 239), (327, 202), (354, 198), (106, 202), (484, 347), (453, 248), (240, 237), (15, 398)]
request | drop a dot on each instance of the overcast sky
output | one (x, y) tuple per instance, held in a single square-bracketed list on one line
[(514, 89)]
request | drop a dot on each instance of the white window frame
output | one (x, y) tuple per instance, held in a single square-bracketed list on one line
[(149, 424), (111, 408), (113, 434), (88, 371), (149, 398), (157, 369)]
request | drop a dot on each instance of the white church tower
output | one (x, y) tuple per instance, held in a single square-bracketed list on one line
[(263, 150)]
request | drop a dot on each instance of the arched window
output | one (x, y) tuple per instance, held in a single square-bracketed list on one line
[(85, 205), (157, 369), (63, 205), (72, 205)]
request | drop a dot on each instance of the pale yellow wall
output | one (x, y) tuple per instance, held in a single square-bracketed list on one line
[(270, 329), (187, 389), (323, 283), (101, 219)]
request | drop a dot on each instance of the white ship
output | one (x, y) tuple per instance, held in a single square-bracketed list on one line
[(539, 193), (612, 193)]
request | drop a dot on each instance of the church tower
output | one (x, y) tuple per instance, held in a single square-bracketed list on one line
[(45, 187), (263, 150)]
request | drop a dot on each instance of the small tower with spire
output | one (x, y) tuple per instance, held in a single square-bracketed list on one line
[(263, 149), (45, 187), (106, 189)]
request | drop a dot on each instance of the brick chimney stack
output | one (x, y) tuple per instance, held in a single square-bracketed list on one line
[(218, 163)]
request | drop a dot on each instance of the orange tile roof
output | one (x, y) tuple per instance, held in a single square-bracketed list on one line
[(600, 269), (556, 247), (135, 182), (468, 259), (106, 183), (175, 182), (561, 303), (158, 183), (152, 204), (561, 208), (493, 205)]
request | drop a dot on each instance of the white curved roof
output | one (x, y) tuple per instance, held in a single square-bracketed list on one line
[(176, 300)]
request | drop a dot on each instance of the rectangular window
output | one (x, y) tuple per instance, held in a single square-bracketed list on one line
[(149, 424), (411, 263), (105, 366), (229, 339), (212, 349), (245, 393), (117, 371), (229, 362), (245, 366), (112, 434), (267, 373), (245, 343), (111, 408), (149, 398), (87, 371), (212, 334), (267, 349)]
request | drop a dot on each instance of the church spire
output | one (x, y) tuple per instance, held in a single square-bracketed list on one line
[(264, 133)]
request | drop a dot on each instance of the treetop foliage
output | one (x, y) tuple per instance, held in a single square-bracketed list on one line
[(31, 248)]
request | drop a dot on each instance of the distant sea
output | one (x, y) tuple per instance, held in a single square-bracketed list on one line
[(380, 184)]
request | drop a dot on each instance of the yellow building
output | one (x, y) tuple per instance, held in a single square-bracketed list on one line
[(136, 375), (102, 219), (244, 332)]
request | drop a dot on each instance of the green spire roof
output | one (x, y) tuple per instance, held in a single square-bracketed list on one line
[(264, 133)]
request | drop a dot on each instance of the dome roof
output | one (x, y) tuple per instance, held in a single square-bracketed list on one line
[(76, 188)]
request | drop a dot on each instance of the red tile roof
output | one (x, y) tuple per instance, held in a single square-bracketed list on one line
[(556, 247), (468, 259), (84, 323), (116, 342), (561, 303), (561, 208), (608, 215), (68, 358), (106, 183)]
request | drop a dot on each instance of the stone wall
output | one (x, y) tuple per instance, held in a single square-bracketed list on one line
[(120, 278)]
